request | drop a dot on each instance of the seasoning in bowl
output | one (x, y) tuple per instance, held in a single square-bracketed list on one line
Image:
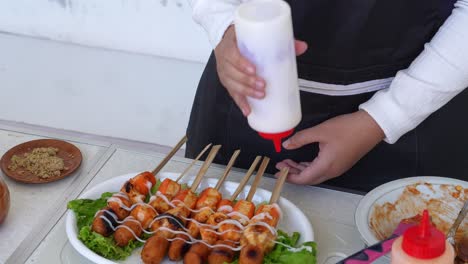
[(42, 162)]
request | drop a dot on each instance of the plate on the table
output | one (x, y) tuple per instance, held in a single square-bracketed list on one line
[(70, 154), (381, 210), (293, 219)]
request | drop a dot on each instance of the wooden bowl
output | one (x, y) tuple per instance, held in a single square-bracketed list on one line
[(4, 200), (70, 154)]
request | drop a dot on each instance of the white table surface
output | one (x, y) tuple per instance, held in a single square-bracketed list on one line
[(34, 205), (330, 212)]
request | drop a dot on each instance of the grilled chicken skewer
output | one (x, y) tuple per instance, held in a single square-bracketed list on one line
[(118, 206), (230, 233), (259, 237), (141, 213), (133, 191), (156, 247), (170, 188), (132, 227), (206, 204)]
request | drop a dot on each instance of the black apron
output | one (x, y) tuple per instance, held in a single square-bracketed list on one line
[(349, 41)]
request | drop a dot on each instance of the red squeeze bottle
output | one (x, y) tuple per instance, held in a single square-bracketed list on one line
[(422, 244)]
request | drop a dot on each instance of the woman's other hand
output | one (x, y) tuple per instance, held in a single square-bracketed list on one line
[(342, 140), (238, 74)]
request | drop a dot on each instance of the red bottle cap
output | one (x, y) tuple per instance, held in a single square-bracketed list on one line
[(424, 241), (276, 138)]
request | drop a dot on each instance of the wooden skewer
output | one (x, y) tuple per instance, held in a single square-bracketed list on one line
[(205, 167), (258, 177), (228, 169), (246, 178), (279, 185), (242, 184), (169, 155), (193, 162)]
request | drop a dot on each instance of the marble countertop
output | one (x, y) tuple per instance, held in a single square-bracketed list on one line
[(34, 231)]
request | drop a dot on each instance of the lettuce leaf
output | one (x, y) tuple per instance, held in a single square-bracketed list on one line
[(155, 187), (105, 246), (85, 209), (281, 253)]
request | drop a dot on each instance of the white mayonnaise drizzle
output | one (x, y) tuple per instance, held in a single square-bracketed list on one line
[(225, 209), (224, 232), (270, 228), (160, 217), (192, 240), (275, 205), (106, 211), (243, 218), (294, 249), (224, 222), (179, 202), (133, 233), (149, 185), (262, 216)]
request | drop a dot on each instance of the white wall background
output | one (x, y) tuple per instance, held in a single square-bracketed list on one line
[(158, 27), (142, 94)]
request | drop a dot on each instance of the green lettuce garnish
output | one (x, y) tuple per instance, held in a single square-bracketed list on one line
[(155, 187), (282, 255), (105, 246), (85, 209)]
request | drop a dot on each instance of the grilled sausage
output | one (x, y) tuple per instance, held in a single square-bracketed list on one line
[(100, 225)]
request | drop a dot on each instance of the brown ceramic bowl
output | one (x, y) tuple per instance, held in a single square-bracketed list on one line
[(4, 200), (70, 154)]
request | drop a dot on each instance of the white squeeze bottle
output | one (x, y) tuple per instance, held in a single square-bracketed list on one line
[(265, 37), (422, 244)]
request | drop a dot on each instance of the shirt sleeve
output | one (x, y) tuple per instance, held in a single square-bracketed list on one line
[(437, 75), (214, 16)]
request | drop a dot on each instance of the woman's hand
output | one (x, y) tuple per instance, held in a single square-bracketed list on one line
[(238, 74), (342, 140)]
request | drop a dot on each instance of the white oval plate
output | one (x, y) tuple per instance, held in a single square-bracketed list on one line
[(390, 192), (293, 219)]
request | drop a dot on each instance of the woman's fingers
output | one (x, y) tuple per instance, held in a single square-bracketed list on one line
[(242, 103), (248, 82), (300, 47), (282, 164)]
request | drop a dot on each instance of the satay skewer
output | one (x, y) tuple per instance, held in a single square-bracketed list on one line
[(169, 155), (197, 158), (170, 188), (205, 167), (242, 183), (138, 187), (206, 204), (279, 186), (141, 214), (199, 252), (260, 173), (246, 179), (258, 238), (156, 247), (227, 169)]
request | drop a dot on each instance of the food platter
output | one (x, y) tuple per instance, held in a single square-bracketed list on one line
[(381, 210), (70, 154), (293, 219)]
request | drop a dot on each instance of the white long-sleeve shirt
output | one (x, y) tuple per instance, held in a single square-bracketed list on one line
[(437, 75)]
